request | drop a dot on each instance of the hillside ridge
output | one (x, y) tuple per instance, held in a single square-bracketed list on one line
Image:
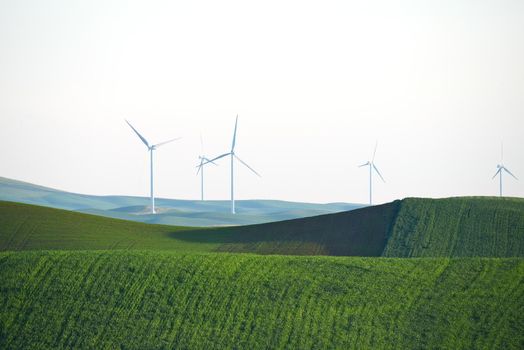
[(454, 227)]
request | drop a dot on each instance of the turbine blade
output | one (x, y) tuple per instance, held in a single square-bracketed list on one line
[(141, 137), (366, 164), (250, 168), (374, 152), (217, 158), (509, 172), (209, 161), (199, 166), (378, 172), (166, 142), (498, 171), (234, 136)]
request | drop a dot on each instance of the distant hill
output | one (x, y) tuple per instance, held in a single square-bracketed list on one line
[(455, 227), (171, 211), (164, 300)]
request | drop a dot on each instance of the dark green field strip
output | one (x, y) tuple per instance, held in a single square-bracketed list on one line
[(155, 300), (489, 227), (360, 232)]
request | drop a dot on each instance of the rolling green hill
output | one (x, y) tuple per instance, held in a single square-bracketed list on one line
[(28, 227), (98, 282), (455, 227), (170, 211), (470, 226), (160, 300)]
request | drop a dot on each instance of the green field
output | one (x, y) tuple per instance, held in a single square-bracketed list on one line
[(146, 300), (28, 227), (482, 226), (455, 227), (432, 274)]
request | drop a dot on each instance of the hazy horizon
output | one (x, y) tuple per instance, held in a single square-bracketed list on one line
[(439, 84)]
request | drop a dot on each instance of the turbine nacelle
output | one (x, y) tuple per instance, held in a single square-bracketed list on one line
[(204, 161)]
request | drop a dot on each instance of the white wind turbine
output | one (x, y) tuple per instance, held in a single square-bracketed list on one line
[(203, 162), (233, 157), (372, 167), (151, 149), (500, 169)]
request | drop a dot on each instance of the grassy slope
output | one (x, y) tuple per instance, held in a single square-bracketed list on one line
[(490, 227), (166, 300), (27, 227), (460, 227), (360, 232)]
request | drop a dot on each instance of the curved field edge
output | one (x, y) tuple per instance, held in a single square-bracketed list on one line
[(358, 232), (155, 300)]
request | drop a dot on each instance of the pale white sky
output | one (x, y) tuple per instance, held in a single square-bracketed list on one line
[(439, 83)]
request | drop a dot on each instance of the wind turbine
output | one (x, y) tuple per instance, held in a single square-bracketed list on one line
[(151, 149), (501, 168), (203, 161), (372, 167), (233, 157)]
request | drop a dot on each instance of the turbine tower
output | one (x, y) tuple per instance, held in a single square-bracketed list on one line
[(233, 157), (203, 161), (151, 149), (372, 168), (500, 169)]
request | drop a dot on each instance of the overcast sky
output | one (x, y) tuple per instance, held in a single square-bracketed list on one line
[(439, 84)]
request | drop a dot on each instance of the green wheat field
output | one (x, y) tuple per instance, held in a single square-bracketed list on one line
[(411, 274)]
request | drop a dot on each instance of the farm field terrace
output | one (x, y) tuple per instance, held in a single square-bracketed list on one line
[(134, 299)]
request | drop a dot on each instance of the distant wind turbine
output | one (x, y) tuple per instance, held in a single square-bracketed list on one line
[(233, 157), (501, 168), (203, 162), (151, 149), (372, 167)]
